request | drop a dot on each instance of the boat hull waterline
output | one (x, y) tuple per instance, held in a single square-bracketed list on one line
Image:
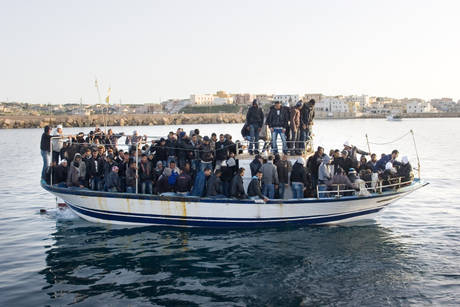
[(175, 211)]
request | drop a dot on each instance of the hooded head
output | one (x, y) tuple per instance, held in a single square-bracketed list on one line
[(254, 103), (301, 161), (404, 160)]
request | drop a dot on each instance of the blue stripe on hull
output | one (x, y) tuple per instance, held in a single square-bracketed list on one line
[(164, 221)]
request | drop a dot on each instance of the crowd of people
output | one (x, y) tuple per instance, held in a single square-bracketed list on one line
[(195, 165)]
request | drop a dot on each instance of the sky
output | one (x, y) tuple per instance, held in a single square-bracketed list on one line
[(149, 51)]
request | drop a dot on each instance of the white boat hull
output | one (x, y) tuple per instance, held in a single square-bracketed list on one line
[(138, 209)]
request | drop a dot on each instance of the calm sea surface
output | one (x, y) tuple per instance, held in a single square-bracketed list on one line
[(410, 256)]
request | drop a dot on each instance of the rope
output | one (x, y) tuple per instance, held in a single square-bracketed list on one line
[(393, 141)]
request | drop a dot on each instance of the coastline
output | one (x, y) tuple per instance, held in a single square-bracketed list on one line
[(30, 121)]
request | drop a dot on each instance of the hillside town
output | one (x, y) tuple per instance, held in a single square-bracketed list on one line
[(222, 102)]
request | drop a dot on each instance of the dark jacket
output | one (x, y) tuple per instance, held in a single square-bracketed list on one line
[(183, 183), (171, 147), (237, 188), (145, 171), (283, 167), (45, 142), (131, 177), (373, 167), (254, 188), (160, 152), (277, 118), (405, 171), (313, 164), (59, 174), (222, 150), (255, 117), (298, 173), (113, 181), (206, 154), (254, 166), (345, 164), (307, 113), (213, 186)]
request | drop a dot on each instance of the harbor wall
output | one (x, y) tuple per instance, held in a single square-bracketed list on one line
[(11, 121)]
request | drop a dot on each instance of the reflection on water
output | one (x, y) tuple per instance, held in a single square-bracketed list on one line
[(315, 265)]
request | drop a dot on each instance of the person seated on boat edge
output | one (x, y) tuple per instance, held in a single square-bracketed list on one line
[(214, 185), (405, 171), (183, 183), (113, 180), (73, 176), (58, 173), (298, 178), (237, 187), (269, 178), (199, 186), (324, 175), (362, 164), (340, 179), (255, 187), (381, 164)]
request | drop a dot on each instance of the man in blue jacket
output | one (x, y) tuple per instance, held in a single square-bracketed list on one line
[(199, 187), (388, 158)]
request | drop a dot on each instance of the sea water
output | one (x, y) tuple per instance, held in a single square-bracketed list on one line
[(409, 256)]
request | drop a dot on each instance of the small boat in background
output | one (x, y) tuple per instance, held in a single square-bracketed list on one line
[(394, 117)]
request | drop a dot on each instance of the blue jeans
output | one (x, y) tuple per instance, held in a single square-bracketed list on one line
[(323, 187), (303, 137), (275, 133), (253, 138), (146, 187), (130, 190), (297, 189), (269, 190), (204, 165), (46, 161), (281, 189)]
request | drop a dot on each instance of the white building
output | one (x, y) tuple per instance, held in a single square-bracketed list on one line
[(417, 106), (332, 105), (202, 99), (222, 100), (291, 99)]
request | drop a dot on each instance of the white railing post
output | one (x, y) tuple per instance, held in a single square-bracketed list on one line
[(137, 168)]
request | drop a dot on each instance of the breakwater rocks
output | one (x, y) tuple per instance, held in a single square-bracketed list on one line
[(9, 122)]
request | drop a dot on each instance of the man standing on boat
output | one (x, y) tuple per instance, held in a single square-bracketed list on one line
[(45, 149), (307, 114), (277, 121), (254, 121)]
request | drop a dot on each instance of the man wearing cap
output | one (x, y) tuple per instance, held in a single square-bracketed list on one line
[(254, 121), (277, 121)]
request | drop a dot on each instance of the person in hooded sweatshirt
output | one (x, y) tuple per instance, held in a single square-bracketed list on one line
[(214, 185), (237, 187), (405, 171), (255, 165), (324, 175), (73, 176), (199, 186), (298, 178)]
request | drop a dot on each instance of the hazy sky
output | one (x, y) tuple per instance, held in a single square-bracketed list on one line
[(146, 50)]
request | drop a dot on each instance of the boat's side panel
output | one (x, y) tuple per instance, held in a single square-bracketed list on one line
[(220, 214)]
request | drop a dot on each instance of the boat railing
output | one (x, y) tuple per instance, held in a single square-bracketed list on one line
[(339, 190)]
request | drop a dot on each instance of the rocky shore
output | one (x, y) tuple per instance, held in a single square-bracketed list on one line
[(9, 122)]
